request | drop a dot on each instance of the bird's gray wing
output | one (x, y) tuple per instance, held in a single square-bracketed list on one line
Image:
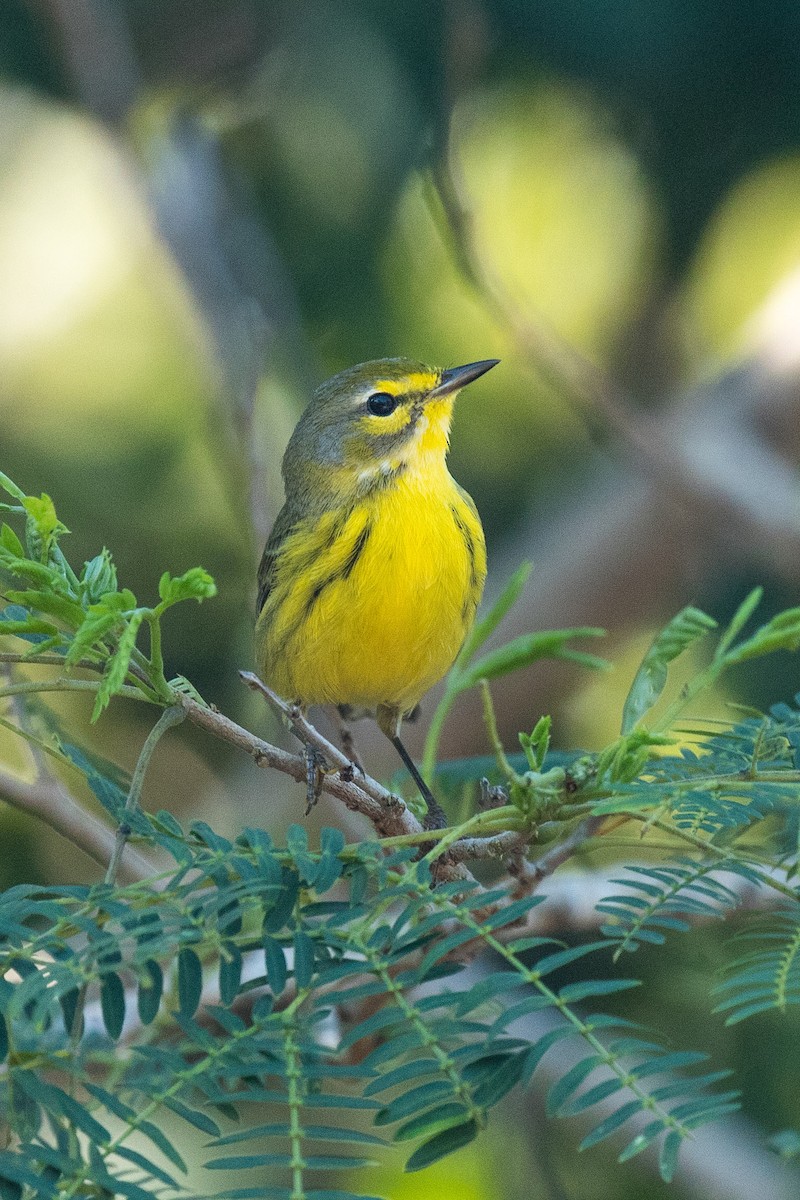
[(267, 571)]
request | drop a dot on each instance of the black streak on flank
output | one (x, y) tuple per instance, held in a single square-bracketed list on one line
[(469, 545), (344, 572), (356, 552), (270, 572)]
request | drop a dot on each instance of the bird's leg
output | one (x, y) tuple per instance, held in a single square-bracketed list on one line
[(436, 817), (389, 721), (316, 767), (346, 738)]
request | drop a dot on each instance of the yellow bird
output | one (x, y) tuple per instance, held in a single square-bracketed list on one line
[(376, 563)]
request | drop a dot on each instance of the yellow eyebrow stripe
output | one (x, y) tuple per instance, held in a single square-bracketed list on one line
[(417, 381)]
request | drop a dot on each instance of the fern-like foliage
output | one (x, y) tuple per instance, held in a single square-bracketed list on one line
[(766, 973), (301, 1007), (669, 898), (431, 1061), (728, 781)]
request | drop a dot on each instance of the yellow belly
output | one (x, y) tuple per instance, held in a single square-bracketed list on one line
[(372, 609)]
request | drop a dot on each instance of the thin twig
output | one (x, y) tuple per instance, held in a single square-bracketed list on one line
[(63, 684), (47, 660), (169, 717), (498, 845), (558, 855), (30, 659)]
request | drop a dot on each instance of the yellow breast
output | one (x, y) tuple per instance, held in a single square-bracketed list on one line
[(370, 606)]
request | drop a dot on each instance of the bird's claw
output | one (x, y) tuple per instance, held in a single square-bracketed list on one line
[(316, 769), (348, 772)]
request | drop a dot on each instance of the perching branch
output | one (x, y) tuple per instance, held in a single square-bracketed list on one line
[(499, 834), (386, 811), (391, 818), (310, 736)]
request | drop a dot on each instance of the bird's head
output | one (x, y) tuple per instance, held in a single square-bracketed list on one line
[(371, 422)]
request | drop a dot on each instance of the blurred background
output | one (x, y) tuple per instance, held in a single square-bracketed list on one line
[(208, 206)]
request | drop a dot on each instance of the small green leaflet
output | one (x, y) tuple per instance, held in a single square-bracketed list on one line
[(683, 631)]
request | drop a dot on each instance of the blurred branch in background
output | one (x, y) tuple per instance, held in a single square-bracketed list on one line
[(702, 479), (702, 452), (50, 802), (617, 554), (243, 293), (92, 39)]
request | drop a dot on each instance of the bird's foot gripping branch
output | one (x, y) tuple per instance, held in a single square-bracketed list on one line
[(195, 978)]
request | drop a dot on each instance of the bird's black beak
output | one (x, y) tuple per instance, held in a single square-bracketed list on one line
[(457, 377)]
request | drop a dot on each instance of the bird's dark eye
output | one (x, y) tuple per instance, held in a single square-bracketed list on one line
[(381, 404)]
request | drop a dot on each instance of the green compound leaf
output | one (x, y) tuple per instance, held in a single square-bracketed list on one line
[(112, 1002), (767, 975), (442, 1144), (117, 669), (683, 631), (781, 633), (190, 982), (529, 648)]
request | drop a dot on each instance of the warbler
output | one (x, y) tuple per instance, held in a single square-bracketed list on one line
[(375, 566)]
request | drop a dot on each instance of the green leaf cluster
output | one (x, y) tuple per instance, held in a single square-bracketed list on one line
[(302, 1006), (470, 671), (84, 617), (232, 964)]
